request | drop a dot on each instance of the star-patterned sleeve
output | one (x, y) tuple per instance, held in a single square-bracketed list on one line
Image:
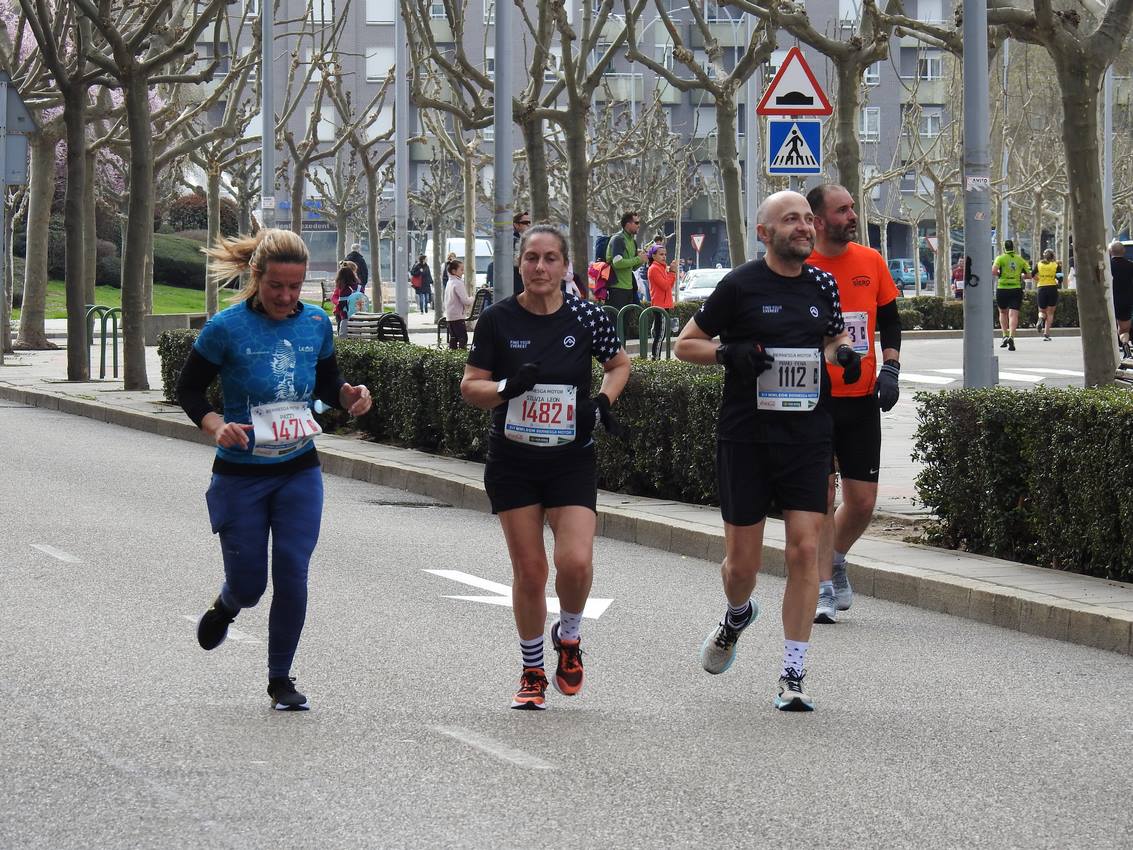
[(829, 287), (604, 337)]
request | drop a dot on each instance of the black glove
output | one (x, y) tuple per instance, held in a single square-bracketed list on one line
[(851, 363), (887, 390), (525, 378), (746, 360), (609, 421)]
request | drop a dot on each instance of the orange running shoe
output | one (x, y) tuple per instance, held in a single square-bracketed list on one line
[(569, 674), (532, 688)]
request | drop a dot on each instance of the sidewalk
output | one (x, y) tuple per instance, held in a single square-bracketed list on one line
[(1089, 611)]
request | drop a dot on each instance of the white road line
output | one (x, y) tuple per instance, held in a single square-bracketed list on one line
[(949, 371), (59, 554), (593, 609), (1070, 373), (235, 634), (494, 748), (473, 581), (914, 378), (1015, 376)]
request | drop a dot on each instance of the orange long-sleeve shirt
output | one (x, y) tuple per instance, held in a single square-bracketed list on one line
[(661, 282)]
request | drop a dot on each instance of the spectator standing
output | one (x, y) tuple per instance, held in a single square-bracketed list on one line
[(662, 279), (421, 276), (344, 285), (1121, 267), (958, 280), (623, 256), (355, 256), (457, 302)]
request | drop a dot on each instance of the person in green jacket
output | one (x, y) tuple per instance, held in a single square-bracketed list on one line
[(623, 256), (1010, 270)]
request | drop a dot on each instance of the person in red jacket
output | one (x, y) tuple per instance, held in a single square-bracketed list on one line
[(662, 278)]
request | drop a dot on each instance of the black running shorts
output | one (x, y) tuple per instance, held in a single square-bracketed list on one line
[(1046, 296), (560, 480), (1009, 299), (755, 476), (1123, 309), (857, 436)]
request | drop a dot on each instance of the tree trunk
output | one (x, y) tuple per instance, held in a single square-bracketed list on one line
[(1037, 226), (943, 241), (212, 196), (847, 148), (78, 351), (297, 200), (41, 179), (1079, 82), (6, 281), (469, 225), (578, 179), (375, 239), (90, 230), (536, 150), (1064, 237), (728, 158), (440, 239), (139, 233)]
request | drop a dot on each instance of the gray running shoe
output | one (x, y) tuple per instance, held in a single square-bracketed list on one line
[(843, 593), (826, 610), (719, 649), (791, 695)]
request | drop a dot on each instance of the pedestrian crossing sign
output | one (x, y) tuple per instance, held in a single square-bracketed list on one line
[(794, 146)]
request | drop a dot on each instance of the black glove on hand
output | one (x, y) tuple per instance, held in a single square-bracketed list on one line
[(609, 421), (887, 390), (746, 360), (851, 363), (525, 378)]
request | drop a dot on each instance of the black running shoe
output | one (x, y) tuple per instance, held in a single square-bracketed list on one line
[(1005, 341), (212, 628), (1010, 343), (283, 695)]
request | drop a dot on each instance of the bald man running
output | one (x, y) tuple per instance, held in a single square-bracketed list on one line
[(778, 319)]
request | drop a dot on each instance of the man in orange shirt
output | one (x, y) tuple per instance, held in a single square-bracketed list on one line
[(869, 303)]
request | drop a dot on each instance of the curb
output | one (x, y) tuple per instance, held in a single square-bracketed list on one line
[(884, 576)]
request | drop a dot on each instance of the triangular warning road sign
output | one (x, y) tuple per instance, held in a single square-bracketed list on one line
[(794, 91)]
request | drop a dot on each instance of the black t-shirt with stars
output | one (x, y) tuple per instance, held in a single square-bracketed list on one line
[(753, 303), (507, 336)]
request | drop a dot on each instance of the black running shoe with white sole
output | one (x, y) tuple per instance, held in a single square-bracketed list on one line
[(212, 628), (283, 695), (791, 695)]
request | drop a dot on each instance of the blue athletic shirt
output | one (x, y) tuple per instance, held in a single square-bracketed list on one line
[(264, 360)]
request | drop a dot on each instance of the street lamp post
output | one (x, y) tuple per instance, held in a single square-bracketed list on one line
[(267, 115)]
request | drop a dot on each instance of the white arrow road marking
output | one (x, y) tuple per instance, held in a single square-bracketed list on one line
[(58, 554), (494, 748), (235, 634), (594, 609), (914, 378)]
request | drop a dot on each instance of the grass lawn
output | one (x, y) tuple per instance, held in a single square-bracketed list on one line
[(166, 299)]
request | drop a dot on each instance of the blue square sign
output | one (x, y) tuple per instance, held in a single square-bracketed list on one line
[(794, 146)]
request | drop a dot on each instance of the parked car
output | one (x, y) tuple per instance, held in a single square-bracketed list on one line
[(698, 284), (905, 277)]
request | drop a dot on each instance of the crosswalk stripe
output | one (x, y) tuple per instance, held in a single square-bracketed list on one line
[(914, 378)]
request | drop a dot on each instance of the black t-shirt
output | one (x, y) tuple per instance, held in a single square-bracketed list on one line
[(1122, 270), (507, 336), (752, 303)]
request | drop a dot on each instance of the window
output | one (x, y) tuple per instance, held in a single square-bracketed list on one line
[(321, 173), (205, 52), (327, 125), (554, 63), (380, 11), (930, 65), (489, 133), (909, 181), (928, 125), (705, 121), (253, 7), (869, 173), (872, 75), (701, 58), (322, 12), (929, 11), (774, 63), (309, 58), (488, 178), (254, 68), (663, 54), (437, 11), (379, 61), (849, 11), (490, 62), (382, 124), (490, 12), (869, 129)]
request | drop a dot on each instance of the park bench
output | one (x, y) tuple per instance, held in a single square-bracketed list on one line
[(384, 327), (479, 301)]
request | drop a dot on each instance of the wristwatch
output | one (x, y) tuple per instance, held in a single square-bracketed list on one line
[(500, 386)]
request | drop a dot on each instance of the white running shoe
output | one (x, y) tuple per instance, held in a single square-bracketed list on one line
[(827, 611), (843, 593), (791, 695), (719, 649)]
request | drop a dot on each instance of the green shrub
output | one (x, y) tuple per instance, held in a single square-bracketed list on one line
[(1035, 476), (190, 212), (178, 261), (910, 318), (173, 348), (931, 313)]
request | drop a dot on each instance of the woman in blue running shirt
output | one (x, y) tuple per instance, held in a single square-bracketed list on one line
[(275, 357)]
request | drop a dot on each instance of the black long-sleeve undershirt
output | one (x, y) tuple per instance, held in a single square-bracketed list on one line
[(889, 326)]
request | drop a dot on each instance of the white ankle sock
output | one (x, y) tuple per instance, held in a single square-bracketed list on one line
[(826, 587), (794, 655), (532, 652), (570, 625)]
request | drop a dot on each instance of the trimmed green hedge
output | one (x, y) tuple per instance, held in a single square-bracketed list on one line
[(417, 403), (1039, 476), (178, 261), (932, 313)]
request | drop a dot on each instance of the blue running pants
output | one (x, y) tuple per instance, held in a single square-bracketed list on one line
[(243, 510)]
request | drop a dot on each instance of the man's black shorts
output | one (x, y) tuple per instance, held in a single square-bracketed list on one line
[(1009, 299), (1046, 296), (560, 480), (1123, 309), (857, 436), (755, 476)]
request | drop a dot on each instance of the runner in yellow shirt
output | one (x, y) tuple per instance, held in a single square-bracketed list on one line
[(1048, 277), (1010, 271)]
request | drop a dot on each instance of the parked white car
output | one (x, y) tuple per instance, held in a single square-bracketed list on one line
[(698, 284)]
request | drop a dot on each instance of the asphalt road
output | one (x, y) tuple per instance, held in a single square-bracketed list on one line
[(119, 732), (928, 364)]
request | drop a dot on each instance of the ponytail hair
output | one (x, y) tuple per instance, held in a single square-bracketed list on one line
[(230, 258)]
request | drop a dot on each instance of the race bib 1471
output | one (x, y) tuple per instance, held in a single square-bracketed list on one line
[(282, 427)]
